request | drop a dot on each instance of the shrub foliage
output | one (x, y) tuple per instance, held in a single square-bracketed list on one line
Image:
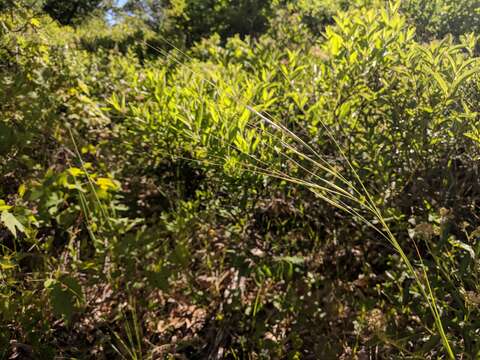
[(180, 182)]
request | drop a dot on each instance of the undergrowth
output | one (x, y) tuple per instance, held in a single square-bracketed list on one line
[(308, 189)]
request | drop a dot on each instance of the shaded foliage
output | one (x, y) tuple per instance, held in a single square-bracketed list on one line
[(69, 12), (147, 206)]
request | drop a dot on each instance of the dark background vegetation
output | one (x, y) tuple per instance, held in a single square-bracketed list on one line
[(133, 224)]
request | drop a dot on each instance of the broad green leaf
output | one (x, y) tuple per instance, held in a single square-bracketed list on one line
[(335, 43), (11, 223)]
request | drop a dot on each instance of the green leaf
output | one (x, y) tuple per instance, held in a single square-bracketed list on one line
[(462, 245), (6, 264), (73, 286), (83, 87), (75, 171), (35, 22), (471, 135), (181, 255), (458, 81), (62, 301), (335, 43), (3, 206), (11, 223), (49, 283), (294, 260), (440, 81)]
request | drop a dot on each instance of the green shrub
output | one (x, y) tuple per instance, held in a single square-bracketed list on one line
[(193, 188), (434, 19), (397, 109)]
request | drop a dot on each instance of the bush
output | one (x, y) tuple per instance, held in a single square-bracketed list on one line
[(179, 202), (438, 18)]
